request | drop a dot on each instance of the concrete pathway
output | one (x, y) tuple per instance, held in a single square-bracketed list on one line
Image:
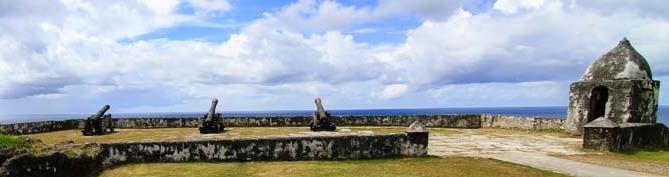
[(522, 148), (564, 166)]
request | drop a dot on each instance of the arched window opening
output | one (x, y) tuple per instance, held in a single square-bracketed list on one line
[(598, 99)]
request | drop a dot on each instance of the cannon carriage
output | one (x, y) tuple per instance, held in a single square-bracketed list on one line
[(212, 122), (321, 119), (98, 123)]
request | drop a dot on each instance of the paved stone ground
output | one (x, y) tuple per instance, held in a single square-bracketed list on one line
[(471, 142), (522, 148)]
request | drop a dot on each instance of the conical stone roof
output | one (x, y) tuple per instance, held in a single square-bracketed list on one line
[(621, 63), (416, 126), (602, 122)]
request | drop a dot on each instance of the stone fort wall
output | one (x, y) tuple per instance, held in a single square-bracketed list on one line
[(441, 121), (286, 148), (279, 148)]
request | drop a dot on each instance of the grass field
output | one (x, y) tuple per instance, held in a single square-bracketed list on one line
[(657, 156), (11, 141), (655, 162), (181, 134), (409, 167)]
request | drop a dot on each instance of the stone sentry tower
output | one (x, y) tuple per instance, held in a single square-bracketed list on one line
[(618, 86)]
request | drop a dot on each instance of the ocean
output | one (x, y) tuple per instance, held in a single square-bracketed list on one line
[(555, 112)]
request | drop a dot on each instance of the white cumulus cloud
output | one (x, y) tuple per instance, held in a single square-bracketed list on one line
[(64, 54), (392, 91)]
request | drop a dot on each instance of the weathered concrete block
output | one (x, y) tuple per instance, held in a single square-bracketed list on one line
[(601, 138), (418, 138), (608, 136), (52, 165)]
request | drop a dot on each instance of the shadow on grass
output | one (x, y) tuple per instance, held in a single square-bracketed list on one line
[(635, 150), (397, 166), (222, 132), (346, 161), (652, 153)]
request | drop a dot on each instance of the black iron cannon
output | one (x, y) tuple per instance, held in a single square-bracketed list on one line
[(212, 122), (321, 120), (99, 123)]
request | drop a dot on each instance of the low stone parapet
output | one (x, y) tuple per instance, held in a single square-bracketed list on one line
[(156, 122), (326, 147), (39, 127), (441, 121), (436, 120), (521, 122), (318, 146)]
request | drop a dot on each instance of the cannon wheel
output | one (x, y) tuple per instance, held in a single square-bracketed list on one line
[(332, 127), (221, 127), (111, 125), (98, 127), (85, 131), (312, 126)]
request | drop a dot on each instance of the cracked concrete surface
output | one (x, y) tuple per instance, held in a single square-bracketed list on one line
[(530, 149), (470, 142)]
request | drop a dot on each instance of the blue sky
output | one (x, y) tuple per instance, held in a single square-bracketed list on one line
[(386, 31), (175, 55)]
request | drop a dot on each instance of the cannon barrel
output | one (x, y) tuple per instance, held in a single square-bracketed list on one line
[(212, 110), (319, 107), (101, 112)]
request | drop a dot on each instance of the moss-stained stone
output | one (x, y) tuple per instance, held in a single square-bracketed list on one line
[(621, 63), (602, 122), (318, 146), (325, 147), (622, 80), (604, 137)]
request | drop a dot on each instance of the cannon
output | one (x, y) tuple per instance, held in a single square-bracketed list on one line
[(321, 120), (98, 123), (211, 121)]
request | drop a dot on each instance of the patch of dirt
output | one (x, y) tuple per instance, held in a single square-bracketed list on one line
[(74, 137)]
